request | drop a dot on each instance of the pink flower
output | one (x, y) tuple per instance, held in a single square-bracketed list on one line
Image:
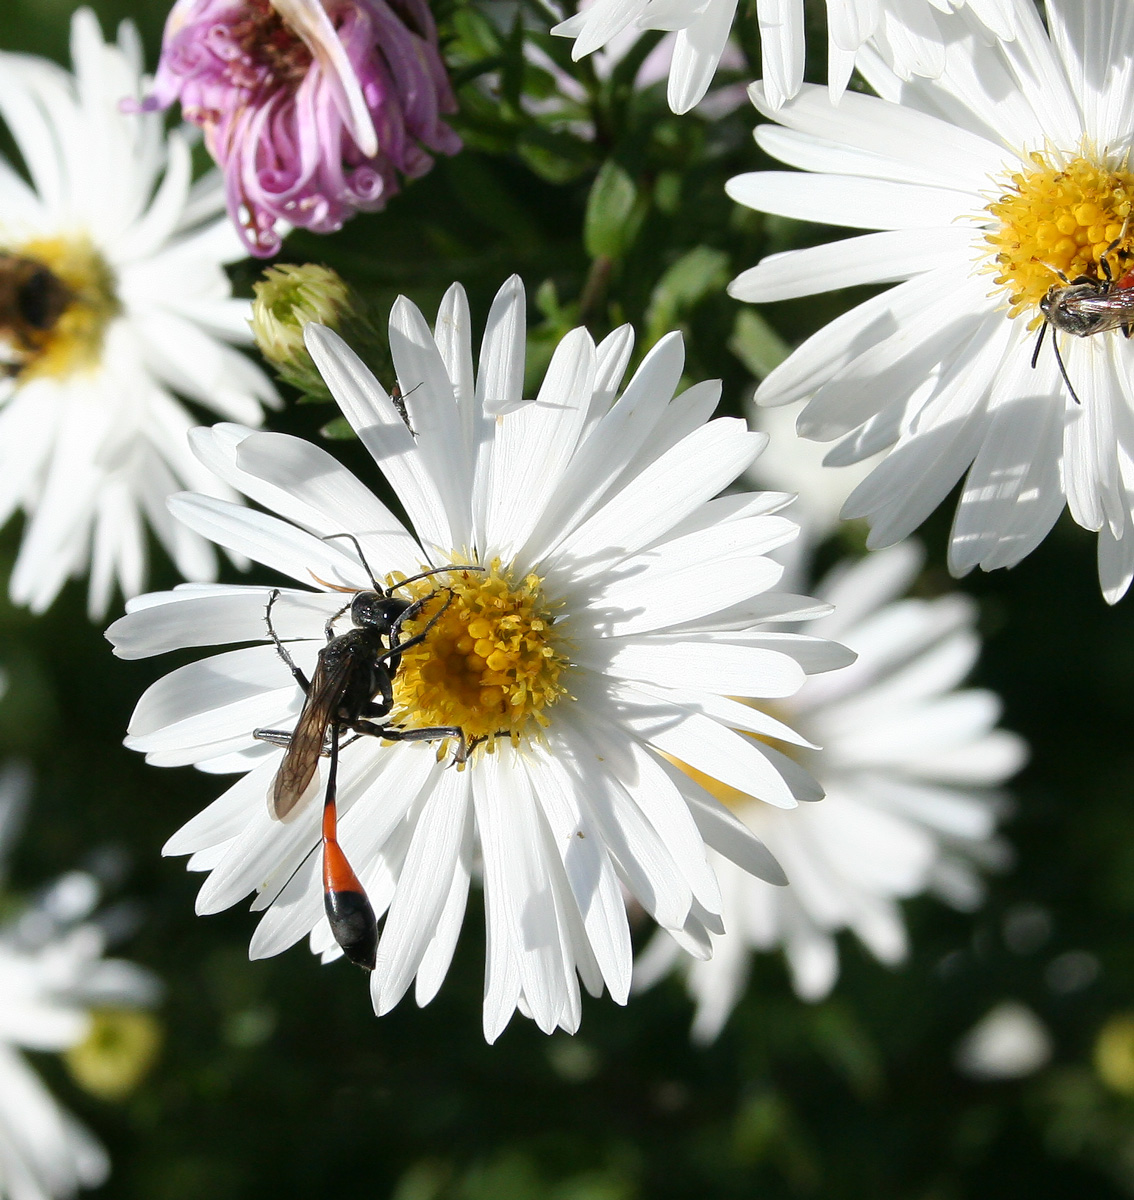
[(310, 107)]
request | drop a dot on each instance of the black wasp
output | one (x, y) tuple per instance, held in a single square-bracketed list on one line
[(351, 689), (1087, 305)]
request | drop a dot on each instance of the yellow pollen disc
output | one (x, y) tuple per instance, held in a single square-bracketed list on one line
[(1059, 217), (491, 664), (74, 342)]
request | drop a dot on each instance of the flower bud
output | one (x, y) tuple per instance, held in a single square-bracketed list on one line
[(290, 297), (287, 299)]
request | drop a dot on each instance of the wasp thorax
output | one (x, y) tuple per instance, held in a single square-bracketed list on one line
[(491, 664), (57, 296), (1060, 217)]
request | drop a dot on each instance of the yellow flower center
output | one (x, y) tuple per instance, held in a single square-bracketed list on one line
[(115, 1055), (492, 661), (58, 300), (1059, 218)]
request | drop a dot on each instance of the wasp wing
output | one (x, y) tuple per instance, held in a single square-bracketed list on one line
[(300, 762), (1113, 310)]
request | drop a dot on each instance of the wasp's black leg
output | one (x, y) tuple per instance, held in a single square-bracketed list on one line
[(281, 649), (379, 708), (329, 628), (431, 733), (276, 737), (397, 647), (1063, 369), (1039, 344), (456, 567)]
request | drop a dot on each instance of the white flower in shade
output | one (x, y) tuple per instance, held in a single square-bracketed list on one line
[(703, 27), (907, 762), (54, 984), (117, 300), (791, 464), (991, 186), (617, 604)]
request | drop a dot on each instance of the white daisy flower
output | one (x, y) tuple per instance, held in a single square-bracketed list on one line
[(613, 604), (907, 762), (54, 985), (114, 299), (703, 26), (992, 186)]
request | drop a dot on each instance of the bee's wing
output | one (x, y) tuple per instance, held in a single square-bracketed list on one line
[(1112, 311), (301, 760)]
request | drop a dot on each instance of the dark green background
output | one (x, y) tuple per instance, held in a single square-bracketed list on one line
[(276, 1079)]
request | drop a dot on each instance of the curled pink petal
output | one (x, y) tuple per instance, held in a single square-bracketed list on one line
[(282, 109)]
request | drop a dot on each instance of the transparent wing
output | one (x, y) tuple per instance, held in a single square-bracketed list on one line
[(293, 779)]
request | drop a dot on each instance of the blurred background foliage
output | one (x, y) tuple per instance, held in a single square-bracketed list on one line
[(274, 1078)]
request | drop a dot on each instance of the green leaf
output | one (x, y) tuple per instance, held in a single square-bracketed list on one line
[(338, 430), (695, 275), (758, 346), (606, 228)]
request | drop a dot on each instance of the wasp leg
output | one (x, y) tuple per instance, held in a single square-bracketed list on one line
[(431, 733), (277, 737), (329, 628), (1063, 369), (397, 647), (1039, 344), (455, 567), (1104, 258), (281, 649)]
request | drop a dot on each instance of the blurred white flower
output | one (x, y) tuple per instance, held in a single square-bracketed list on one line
[(703, 26), (54, 981), (601, 630), (990, 185), (118, 300), (1008, 1042), (906, 761)]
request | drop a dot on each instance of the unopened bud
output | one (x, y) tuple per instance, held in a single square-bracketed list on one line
[(288, 298)]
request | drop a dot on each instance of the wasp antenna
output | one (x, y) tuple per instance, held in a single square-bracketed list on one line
[(435, 571), (1039, 346), (1063, 371), (361, 558)]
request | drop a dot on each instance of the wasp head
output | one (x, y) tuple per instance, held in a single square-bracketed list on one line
[(376, 609)]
